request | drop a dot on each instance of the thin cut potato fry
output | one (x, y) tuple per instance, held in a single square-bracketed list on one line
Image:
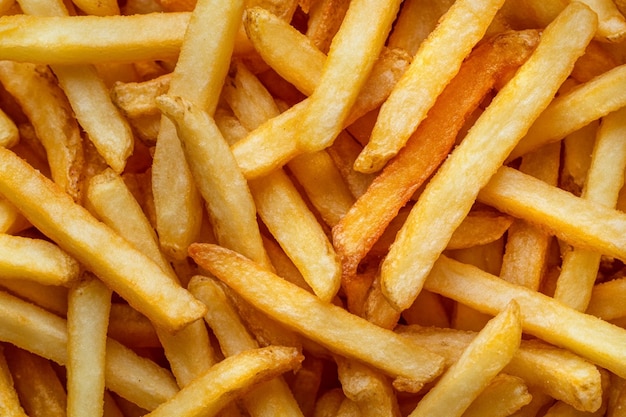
[(479, 228), (137, 99), (141, 281), (503, 396), (542, 316), (325, 18), (480, 362), (37, 260), (212, 390), (91, 39), (459, 29), (483, 150), (87, 322), (9, 402), (606, 301), (366, 220), (310, 316), (352, 54), (98, 8), (577, 221), (272, 397), (575, 109)]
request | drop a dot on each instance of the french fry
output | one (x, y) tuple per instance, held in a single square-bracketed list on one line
[(87, 322), (366, 220), (453, 186), (325, 18), (503, 396), (37, 260), (84, 237), (91, 39), (480, 362), (272, 397), (137, 99), (328, 404), (410, 100), (131, 328), (350, 59), (542, 316), (211, 391), (98, 8), (51, 116), (575, 109), (9, 402), (555, 209), (312, 317), (479, 228)]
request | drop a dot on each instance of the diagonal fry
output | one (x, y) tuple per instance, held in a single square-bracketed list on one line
[(126, 270), (366, 220), (459, 29), (596, 340), (322, 322), (483, 150), (210, 392), (485, 356)]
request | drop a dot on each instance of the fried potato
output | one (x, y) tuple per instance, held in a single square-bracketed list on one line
[(10, 404), (466, 170)]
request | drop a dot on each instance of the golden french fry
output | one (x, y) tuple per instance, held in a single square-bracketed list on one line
[(212, 390), (312, 317), (410, 100), (37, 260), (224, 189), (51, 116), (480, 362), (98, 8), (272, 397), (325, 18), (87, 322), (131, 328), (542, 316), (137, 99), (575, 109), (479, 228), (460, 178), (123, 268)]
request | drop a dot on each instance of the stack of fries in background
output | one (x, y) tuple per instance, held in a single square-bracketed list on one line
[(312, 208)]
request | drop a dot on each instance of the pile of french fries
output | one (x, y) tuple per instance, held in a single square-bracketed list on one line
[(312, 208)]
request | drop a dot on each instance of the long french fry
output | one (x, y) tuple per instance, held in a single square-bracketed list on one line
[(359, 229), (315, 319), (9, 401), (596, 340), (482, 151), (504, 395), (411, 99), (121, 266)]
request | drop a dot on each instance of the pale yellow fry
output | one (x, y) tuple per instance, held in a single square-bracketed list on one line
[(272, 397), (325, 323), (212, 390), (503, 396), (219, 180), (137, 99), (459, 29), (575, 109), (351, 57), (197, 77), (479, 228), (45, 334), (37, 260), (122, 267), (87, 321), (51, 116), (188, 350), (11, 220), (611, 23), (606, 300), (578, 221), (594, 339), (109, 199), (481, 361), (555, 371), (452, 191), (9, 402), (605, 178), (91, 39), (524, 260)]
